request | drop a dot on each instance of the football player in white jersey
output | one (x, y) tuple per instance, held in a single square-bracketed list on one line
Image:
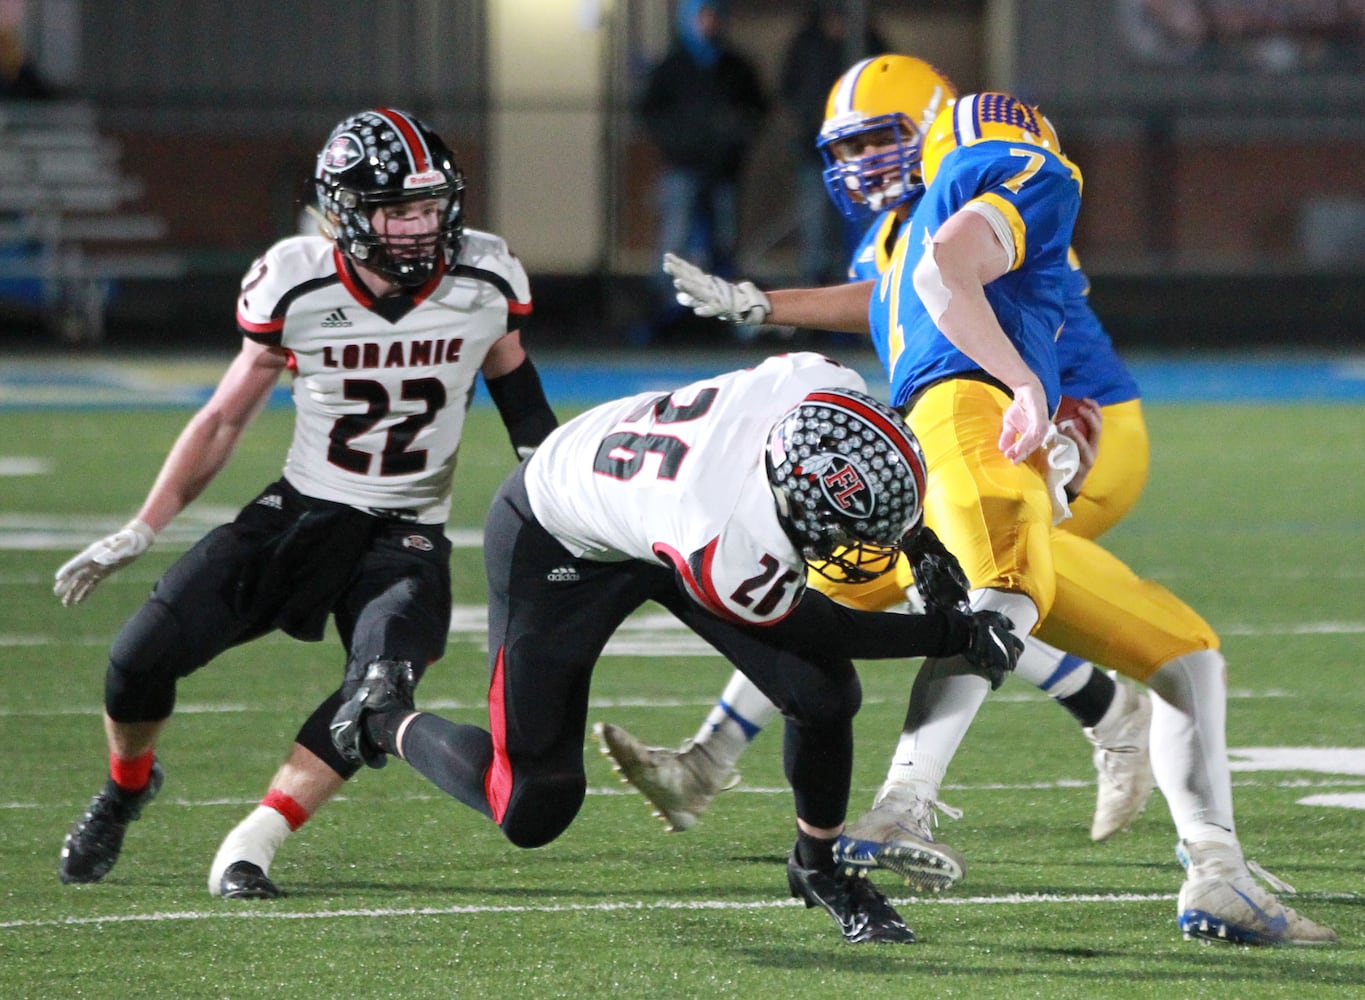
[(712, 501), (383, 324)]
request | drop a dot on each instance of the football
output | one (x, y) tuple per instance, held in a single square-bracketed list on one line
[(1069, 420)]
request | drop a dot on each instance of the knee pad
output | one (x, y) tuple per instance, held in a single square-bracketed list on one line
[(1195, 679), (144, 663), (831, 704), (315, 736), (542, 806)]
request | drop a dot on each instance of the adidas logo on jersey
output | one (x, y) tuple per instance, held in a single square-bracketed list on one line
[(334, 319), (272, 500), (562, 574)]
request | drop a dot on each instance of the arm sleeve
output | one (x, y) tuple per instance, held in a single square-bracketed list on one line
[(521, 403), (818, 624)]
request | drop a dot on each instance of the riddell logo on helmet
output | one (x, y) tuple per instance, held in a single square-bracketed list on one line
[(843, 483), (426, 179), (343, 153)]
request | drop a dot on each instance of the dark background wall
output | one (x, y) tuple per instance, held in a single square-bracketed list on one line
[(1224, 163)]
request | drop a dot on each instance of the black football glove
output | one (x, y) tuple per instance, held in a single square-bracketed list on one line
[(938, 575), (993, 648)]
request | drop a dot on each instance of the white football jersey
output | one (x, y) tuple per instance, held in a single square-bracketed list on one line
[(679, 477), (381, 386)]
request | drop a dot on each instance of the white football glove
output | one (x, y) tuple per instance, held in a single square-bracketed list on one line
[(709, 296), (78, 578)]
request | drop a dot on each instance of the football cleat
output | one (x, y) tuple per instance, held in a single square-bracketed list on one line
[(863, 914), (244, 880), (93, 845), (383, 686), (1221, 901), (1123, 764), (895, 835), (680, 784)]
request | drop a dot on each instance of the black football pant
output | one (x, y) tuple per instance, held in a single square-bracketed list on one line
[(549, 617)]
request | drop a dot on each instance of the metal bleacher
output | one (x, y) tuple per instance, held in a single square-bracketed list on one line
[(67, 232)]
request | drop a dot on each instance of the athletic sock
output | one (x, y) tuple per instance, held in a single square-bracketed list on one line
[(254, 839), (730, 726), (815, 853), (287, 806), (1089, 704), (132, 774)]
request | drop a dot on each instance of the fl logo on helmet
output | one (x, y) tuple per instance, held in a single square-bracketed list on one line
[(843, 483), (342, 153)]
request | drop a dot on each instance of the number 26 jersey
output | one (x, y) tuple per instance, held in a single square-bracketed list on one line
[(680, 478)]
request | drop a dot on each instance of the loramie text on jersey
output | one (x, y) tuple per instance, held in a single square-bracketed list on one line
[(397, 354)]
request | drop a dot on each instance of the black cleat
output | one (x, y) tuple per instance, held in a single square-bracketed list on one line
[(862, 913), (243, 880), (93, 845), (381, 686)]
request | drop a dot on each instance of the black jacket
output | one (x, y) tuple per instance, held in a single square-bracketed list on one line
[(704, 118)]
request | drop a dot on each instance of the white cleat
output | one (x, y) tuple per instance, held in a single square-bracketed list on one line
[(680, 784), (1123, 763), (1221, 901), (896, 835)]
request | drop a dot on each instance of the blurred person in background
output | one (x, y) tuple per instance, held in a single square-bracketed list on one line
[(383, 324), (702, 107), (818, 54), (19, 77)]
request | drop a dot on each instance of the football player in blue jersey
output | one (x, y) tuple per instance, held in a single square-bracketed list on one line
[(900, 95), (964, 317)]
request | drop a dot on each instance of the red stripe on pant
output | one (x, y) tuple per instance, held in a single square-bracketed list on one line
[(497, 781)]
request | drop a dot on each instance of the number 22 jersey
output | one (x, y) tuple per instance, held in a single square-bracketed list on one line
[(381, 386)]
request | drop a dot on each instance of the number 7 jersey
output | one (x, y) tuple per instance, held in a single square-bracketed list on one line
[(1030, 195), (381, 386), (680, 478)]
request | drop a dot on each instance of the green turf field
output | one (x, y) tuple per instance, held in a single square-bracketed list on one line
[(1256, 514)]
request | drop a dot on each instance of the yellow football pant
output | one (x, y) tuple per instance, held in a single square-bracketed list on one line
[(996, 517)]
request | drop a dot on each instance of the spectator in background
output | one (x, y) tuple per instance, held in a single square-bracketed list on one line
[(702, 105), (817, 55), (19, 79)]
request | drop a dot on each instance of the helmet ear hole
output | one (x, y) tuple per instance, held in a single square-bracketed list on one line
[(847, 477)]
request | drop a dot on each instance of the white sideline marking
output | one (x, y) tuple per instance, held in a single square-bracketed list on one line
[(457, 705), (1013, 899), (1353, 800), (24, 465), (50, 532), (1348, 800), (1327, 760)]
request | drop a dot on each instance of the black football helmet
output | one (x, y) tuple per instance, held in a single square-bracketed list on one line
[(848, 477), (381, 157)]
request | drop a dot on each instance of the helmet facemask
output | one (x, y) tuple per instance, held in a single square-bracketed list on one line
[(863, 185), (847, 478), (408, 259)]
